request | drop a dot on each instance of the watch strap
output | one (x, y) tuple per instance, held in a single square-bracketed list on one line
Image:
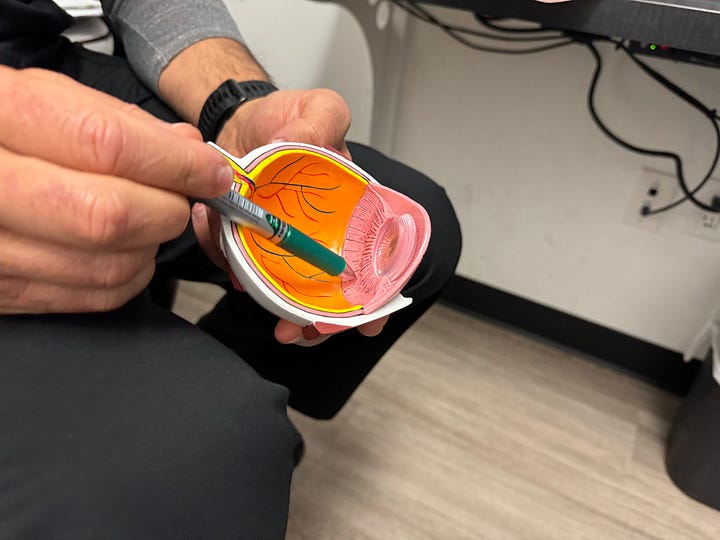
[(223, 102)]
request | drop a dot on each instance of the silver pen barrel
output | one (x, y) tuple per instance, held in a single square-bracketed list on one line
[(243, 211)]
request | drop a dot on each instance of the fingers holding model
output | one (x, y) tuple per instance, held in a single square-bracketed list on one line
[(91, 186)]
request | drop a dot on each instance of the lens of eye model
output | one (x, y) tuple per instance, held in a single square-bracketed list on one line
[(394, 246)]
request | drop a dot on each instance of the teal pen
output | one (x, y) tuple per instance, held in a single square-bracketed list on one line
[(248, 214)]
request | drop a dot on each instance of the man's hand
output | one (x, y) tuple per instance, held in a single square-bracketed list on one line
[(320, 117), (90, 187)]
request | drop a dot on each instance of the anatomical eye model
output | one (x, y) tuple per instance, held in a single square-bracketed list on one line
[(381, 234)]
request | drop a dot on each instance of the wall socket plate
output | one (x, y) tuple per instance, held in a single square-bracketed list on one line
[(653, 189), (701, 224)]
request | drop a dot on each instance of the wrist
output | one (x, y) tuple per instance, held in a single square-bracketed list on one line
[(225, 100), (199, 70)]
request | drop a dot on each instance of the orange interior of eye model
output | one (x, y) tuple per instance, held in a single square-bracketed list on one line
[(317, 196)]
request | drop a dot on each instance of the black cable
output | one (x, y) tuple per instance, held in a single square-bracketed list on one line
[(533, 50), (489, 23), (95, 39), (689, 195), (415, 10), (456, 33), (685, 96), (660, 78)]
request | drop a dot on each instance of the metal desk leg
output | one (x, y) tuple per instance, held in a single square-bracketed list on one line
[(385, 27)]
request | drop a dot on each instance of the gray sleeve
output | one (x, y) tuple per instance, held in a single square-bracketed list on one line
[(153, 32)]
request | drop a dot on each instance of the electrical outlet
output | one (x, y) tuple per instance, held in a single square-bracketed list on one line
[(699, 223), (654, 189)]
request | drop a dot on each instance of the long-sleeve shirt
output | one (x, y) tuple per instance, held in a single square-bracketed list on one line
[(152, 32)]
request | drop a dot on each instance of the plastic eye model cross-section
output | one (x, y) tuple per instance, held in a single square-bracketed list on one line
[(381, 234)]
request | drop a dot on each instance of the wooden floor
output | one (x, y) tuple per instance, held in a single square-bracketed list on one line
[(470, 430)]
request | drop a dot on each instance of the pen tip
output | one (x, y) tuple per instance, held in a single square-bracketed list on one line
[(348, 274)]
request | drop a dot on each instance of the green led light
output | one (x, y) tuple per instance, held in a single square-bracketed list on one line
[(653, 46)]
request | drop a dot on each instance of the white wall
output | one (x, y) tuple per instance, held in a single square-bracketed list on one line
[(541, 194), (308, 44)]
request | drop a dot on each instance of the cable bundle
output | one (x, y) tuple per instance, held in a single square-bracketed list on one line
[(562, 38)]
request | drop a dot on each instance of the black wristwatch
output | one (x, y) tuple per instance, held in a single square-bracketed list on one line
[(223, 102)]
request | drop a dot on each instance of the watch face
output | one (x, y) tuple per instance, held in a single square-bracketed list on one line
[(381, 234)]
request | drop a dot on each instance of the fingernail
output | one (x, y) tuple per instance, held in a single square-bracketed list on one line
[(302, 342), (278, 140), (310, 333), (225, 177), (199, 210)]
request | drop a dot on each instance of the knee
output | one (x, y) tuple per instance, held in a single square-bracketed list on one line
[(446, 238), (229, 458), (443, 252), (211, 454)]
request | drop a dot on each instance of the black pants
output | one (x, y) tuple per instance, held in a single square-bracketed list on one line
[(136, 424)]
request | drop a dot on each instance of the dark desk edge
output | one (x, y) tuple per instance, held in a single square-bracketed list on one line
[(690, 25)]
